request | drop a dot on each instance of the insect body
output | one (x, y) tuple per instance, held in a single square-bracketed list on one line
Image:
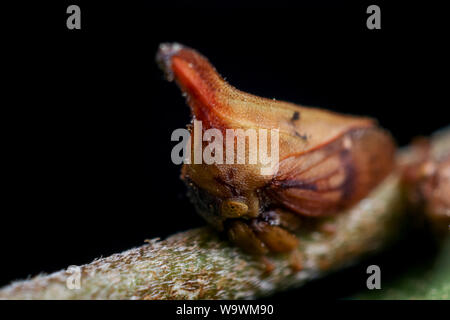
[(327, 161)]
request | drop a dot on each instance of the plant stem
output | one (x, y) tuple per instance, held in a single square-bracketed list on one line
[(198, 264)]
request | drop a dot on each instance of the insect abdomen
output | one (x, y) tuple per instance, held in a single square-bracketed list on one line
[(330, 178)]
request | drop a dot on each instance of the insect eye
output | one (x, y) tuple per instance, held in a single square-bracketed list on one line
[(233, 208)]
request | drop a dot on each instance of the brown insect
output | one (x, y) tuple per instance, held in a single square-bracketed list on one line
[(327, 161)]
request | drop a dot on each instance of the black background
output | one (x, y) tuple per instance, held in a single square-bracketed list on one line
[(87, 168)]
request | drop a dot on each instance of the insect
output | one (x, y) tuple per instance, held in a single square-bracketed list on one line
[(327, 161)]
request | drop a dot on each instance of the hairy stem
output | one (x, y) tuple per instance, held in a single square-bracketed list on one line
[(198, 264)]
